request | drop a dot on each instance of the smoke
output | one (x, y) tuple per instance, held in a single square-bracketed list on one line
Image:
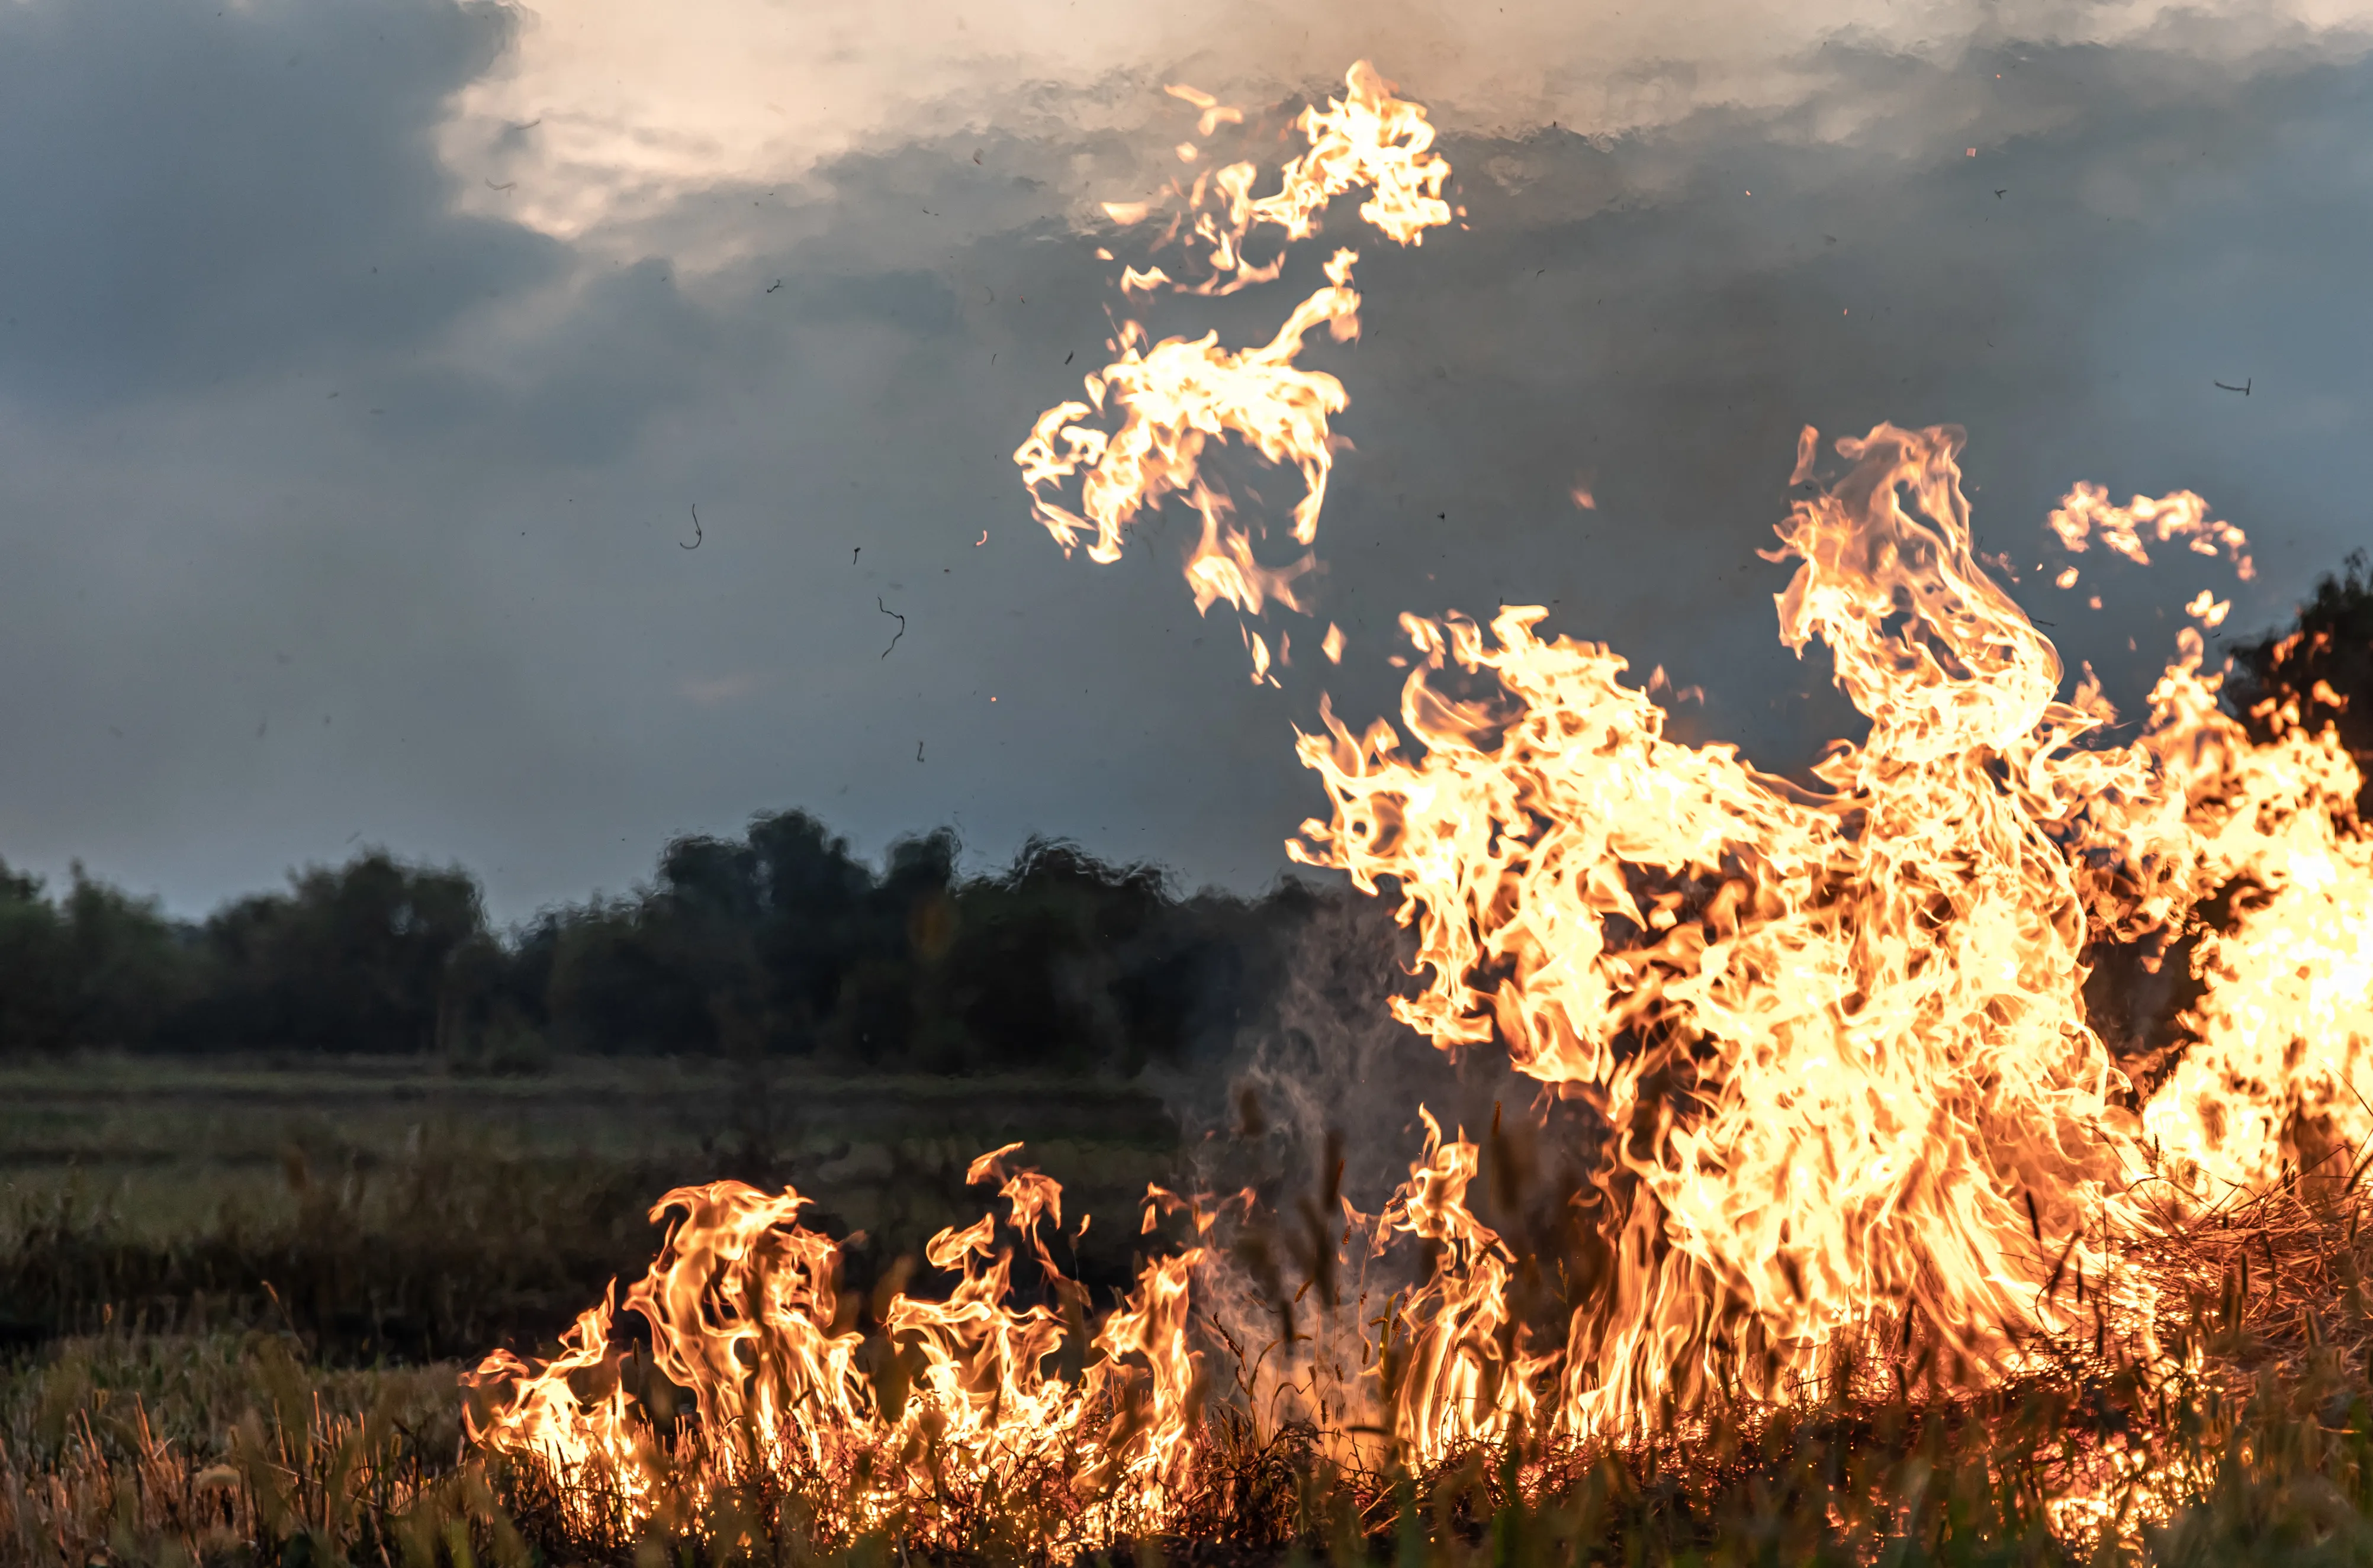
[(1326, 1065)]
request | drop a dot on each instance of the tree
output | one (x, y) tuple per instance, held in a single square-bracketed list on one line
[(890, 1008), (811, 890), (358, 958), (131, 968), (777, 943), (101, 969), (36, 984), (1034, 975)]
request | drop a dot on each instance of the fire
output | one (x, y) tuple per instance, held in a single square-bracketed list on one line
[(746, 1317), (1838, 1035), (1176, 397), (1852, 1117), (2087, 513)]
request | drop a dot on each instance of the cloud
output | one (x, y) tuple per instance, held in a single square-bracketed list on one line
[(610, 112), (497, 651), (198, 195)]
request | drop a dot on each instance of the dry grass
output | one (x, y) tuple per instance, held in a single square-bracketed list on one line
[(201, 1418), (139, 1447)]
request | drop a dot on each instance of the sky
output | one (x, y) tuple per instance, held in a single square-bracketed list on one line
[(362, 366)]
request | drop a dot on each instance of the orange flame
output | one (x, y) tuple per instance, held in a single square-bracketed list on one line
[(2087, 513), (1365, 140), (1839, 1035), (746, 1315), (1833, 1034), (1176, 397)]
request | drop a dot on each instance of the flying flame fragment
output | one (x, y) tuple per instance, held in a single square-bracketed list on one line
[(1177, 397), (2086, 513)]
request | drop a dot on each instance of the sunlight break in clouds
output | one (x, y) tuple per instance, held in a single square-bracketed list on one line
[(607, 111)]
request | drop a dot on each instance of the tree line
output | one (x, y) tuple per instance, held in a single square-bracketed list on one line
[(780, 942)]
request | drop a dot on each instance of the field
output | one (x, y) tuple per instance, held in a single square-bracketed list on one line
[(200, 1242), (236, 1299)]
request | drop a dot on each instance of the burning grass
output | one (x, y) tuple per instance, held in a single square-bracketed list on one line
[(238, 1446)]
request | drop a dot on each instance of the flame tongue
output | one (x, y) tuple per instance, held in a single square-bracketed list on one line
[(1832, 1036), (1840, 1039), (1178, 397), (964, 1398)]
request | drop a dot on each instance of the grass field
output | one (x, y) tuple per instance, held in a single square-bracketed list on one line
[(386, 1209), (235, 1298), (198, 1256), (164, 1146)]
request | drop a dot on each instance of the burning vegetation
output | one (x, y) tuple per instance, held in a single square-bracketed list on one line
[(1824, 1138), (1816, 1215)]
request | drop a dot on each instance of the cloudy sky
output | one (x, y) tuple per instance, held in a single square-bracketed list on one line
[(361, 365)]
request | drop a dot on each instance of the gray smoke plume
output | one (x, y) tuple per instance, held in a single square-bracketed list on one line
[(1302, 1136)]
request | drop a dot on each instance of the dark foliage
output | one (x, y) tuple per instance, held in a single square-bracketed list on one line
[(781, 943), (96, 966), (372, 956), (778, 944)]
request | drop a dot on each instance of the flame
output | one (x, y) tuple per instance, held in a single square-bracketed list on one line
[(1852, 1112), (1215, 113), (1177, 396), (2088, 513), (1456, 1384), (1366, 139), (1174, 396), (949, 1402), (1838, 1034)]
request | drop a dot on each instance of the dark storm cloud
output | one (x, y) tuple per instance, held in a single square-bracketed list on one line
[(196, 193), (449, 607)]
